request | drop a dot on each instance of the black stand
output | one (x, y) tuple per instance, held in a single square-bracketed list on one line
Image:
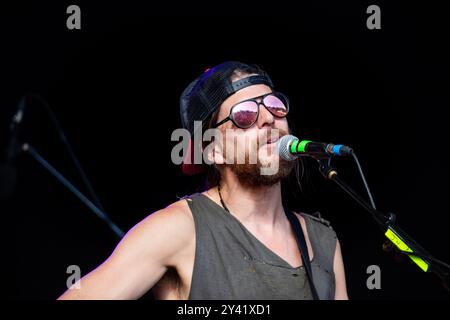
[(402, 241), (33, 153)]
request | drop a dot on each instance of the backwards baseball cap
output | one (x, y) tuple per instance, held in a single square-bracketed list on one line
[(203, 96)]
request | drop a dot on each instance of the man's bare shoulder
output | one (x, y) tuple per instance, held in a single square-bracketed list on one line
[(175, 217), (168, 229)]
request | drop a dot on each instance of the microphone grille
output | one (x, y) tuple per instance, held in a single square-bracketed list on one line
[(283, 147)]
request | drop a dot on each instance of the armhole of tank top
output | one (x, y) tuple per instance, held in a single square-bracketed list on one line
[(326, 255), (191, 204)]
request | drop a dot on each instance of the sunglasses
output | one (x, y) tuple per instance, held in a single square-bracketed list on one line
[(245, 113)]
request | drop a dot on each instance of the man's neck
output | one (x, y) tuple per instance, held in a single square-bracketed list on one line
[(258, 207)]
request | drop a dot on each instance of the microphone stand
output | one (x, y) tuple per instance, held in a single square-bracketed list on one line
[(35, 155), (386, 221)]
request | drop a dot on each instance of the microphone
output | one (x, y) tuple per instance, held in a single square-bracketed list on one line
[(8, 172), (13, 147), (290, 148)]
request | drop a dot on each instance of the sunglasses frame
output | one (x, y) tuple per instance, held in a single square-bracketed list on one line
[(262, 97)]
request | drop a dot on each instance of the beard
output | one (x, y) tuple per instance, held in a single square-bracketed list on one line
[(249, 174)]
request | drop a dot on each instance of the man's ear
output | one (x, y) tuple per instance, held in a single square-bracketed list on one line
[(213, 154)]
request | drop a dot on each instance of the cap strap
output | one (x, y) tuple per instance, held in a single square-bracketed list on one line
[(249, 81)]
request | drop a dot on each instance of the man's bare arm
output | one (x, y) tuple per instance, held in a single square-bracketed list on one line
[(140, 259)]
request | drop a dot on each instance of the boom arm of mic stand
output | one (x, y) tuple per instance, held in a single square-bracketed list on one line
[(31, 151), (398, 237)]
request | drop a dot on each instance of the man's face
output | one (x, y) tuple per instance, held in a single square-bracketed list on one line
[(246, 151)]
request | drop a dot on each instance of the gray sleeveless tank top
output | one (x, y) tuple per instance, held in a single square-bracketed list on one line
[(232, 264)]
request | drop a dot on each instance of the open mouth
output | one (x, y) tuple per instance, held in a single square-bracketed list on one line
[(271, 140)]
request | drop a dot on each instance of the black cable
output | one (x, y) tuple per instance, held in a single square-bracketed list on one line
[(364, 181)]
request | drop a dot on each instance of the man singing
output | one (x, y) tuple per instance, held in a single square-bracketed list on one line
[(235, 240)]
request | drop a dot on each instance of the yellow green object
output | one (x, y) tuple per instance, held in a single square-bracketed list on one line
[(402, 246)]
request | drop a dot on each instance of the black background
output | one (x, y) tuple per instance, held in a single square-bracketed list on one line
[(114, 87)]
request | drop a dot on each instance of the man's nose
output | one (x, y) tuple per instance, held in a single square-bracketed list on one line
[(265, 117)]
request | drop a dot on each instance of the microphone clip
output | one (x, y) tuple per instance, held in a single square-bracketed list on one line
[(325, 168)]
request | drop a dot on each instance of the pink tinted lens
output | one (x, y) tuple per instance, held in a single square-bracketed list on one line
[(276, 106), (245, 114)]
